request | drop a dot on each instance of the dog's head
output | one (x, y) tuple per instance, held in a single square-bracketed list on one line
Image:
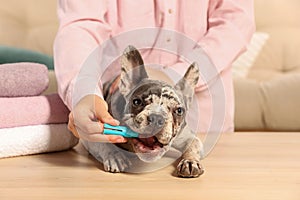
[(153, 108)]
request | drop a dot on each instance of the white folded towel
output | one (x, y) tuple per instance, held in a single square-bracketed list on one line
[(26, 140)]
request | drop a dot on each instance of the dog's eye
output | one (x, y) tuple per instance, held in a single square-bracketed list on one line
[(137, 102), (179, 111)]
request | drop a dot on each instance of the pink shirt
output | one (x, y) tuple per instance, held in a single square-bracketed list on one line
[(222, 28)]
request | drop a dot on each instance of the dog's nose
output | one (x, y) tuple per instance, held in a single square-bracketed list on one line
[(156, 120)]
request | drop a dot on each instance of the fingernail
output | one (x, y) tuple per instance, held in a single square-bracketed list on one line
[(121, 140), (117, 122)]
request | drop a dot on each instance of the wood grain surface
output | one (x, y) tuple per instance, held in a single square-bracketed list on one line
[(249, 165)]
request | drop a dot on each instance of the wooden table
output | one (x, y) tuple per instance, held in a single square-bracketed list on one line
[(242, 166)]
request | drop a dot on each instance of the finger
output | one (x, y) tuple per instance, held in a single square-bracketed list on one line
[(116, 139), (111, 121), (71, 126), (85, 121), (96, 137), (101, 138), (103, 115), (74, 131), (90, 127), (92, 131)]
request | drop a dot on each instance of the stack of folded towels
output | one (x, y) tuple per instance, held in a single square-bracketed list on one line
[(30, 122)]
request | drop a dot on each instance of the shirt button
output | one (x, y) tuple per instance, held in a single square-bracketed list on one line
[(168, 39), (170, 11)]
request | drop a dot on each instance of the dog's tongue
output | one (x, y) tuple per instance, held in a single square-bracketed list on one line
[(148, 141)]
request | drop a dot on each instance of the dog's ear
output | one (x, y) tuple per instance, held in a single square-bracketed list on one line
[(188, 83), (132, 69)]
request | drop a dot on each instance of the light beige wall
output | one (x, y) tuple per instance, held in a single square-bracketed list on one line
[(29, 24)]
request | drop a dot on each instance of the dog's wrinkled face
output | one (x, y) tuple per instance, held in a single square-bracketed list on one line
[(153, 108), (157, 112)]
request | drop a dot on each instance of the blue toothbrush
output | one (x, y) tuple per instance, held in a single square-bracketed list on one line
[(119, 130)]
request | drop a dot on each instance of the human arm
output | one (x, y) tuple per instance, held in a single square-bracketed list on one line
[(230, 26), (82, 28)]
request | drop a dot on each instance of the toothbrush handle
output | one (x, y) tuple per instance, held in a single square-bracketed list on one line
[(111, 132), (107, 126)]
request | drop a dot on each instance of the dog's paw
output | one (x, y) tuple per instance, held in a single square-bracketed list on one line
[(116, 162), (189, 168)]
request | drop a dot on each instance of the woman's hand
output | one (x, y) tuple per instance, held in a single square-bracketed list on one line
[(87, 118)]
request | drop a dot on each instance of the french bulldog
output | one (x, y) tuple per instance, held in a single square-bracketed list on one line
[(154, 109)]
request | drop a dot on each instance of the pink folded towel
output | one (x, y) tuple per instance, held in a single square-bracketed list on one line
[(23, 111), (23, 79)]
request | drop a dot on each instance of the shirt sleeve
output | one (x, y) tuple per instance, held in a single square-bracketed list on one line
[(231, 25), (82, 28)]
